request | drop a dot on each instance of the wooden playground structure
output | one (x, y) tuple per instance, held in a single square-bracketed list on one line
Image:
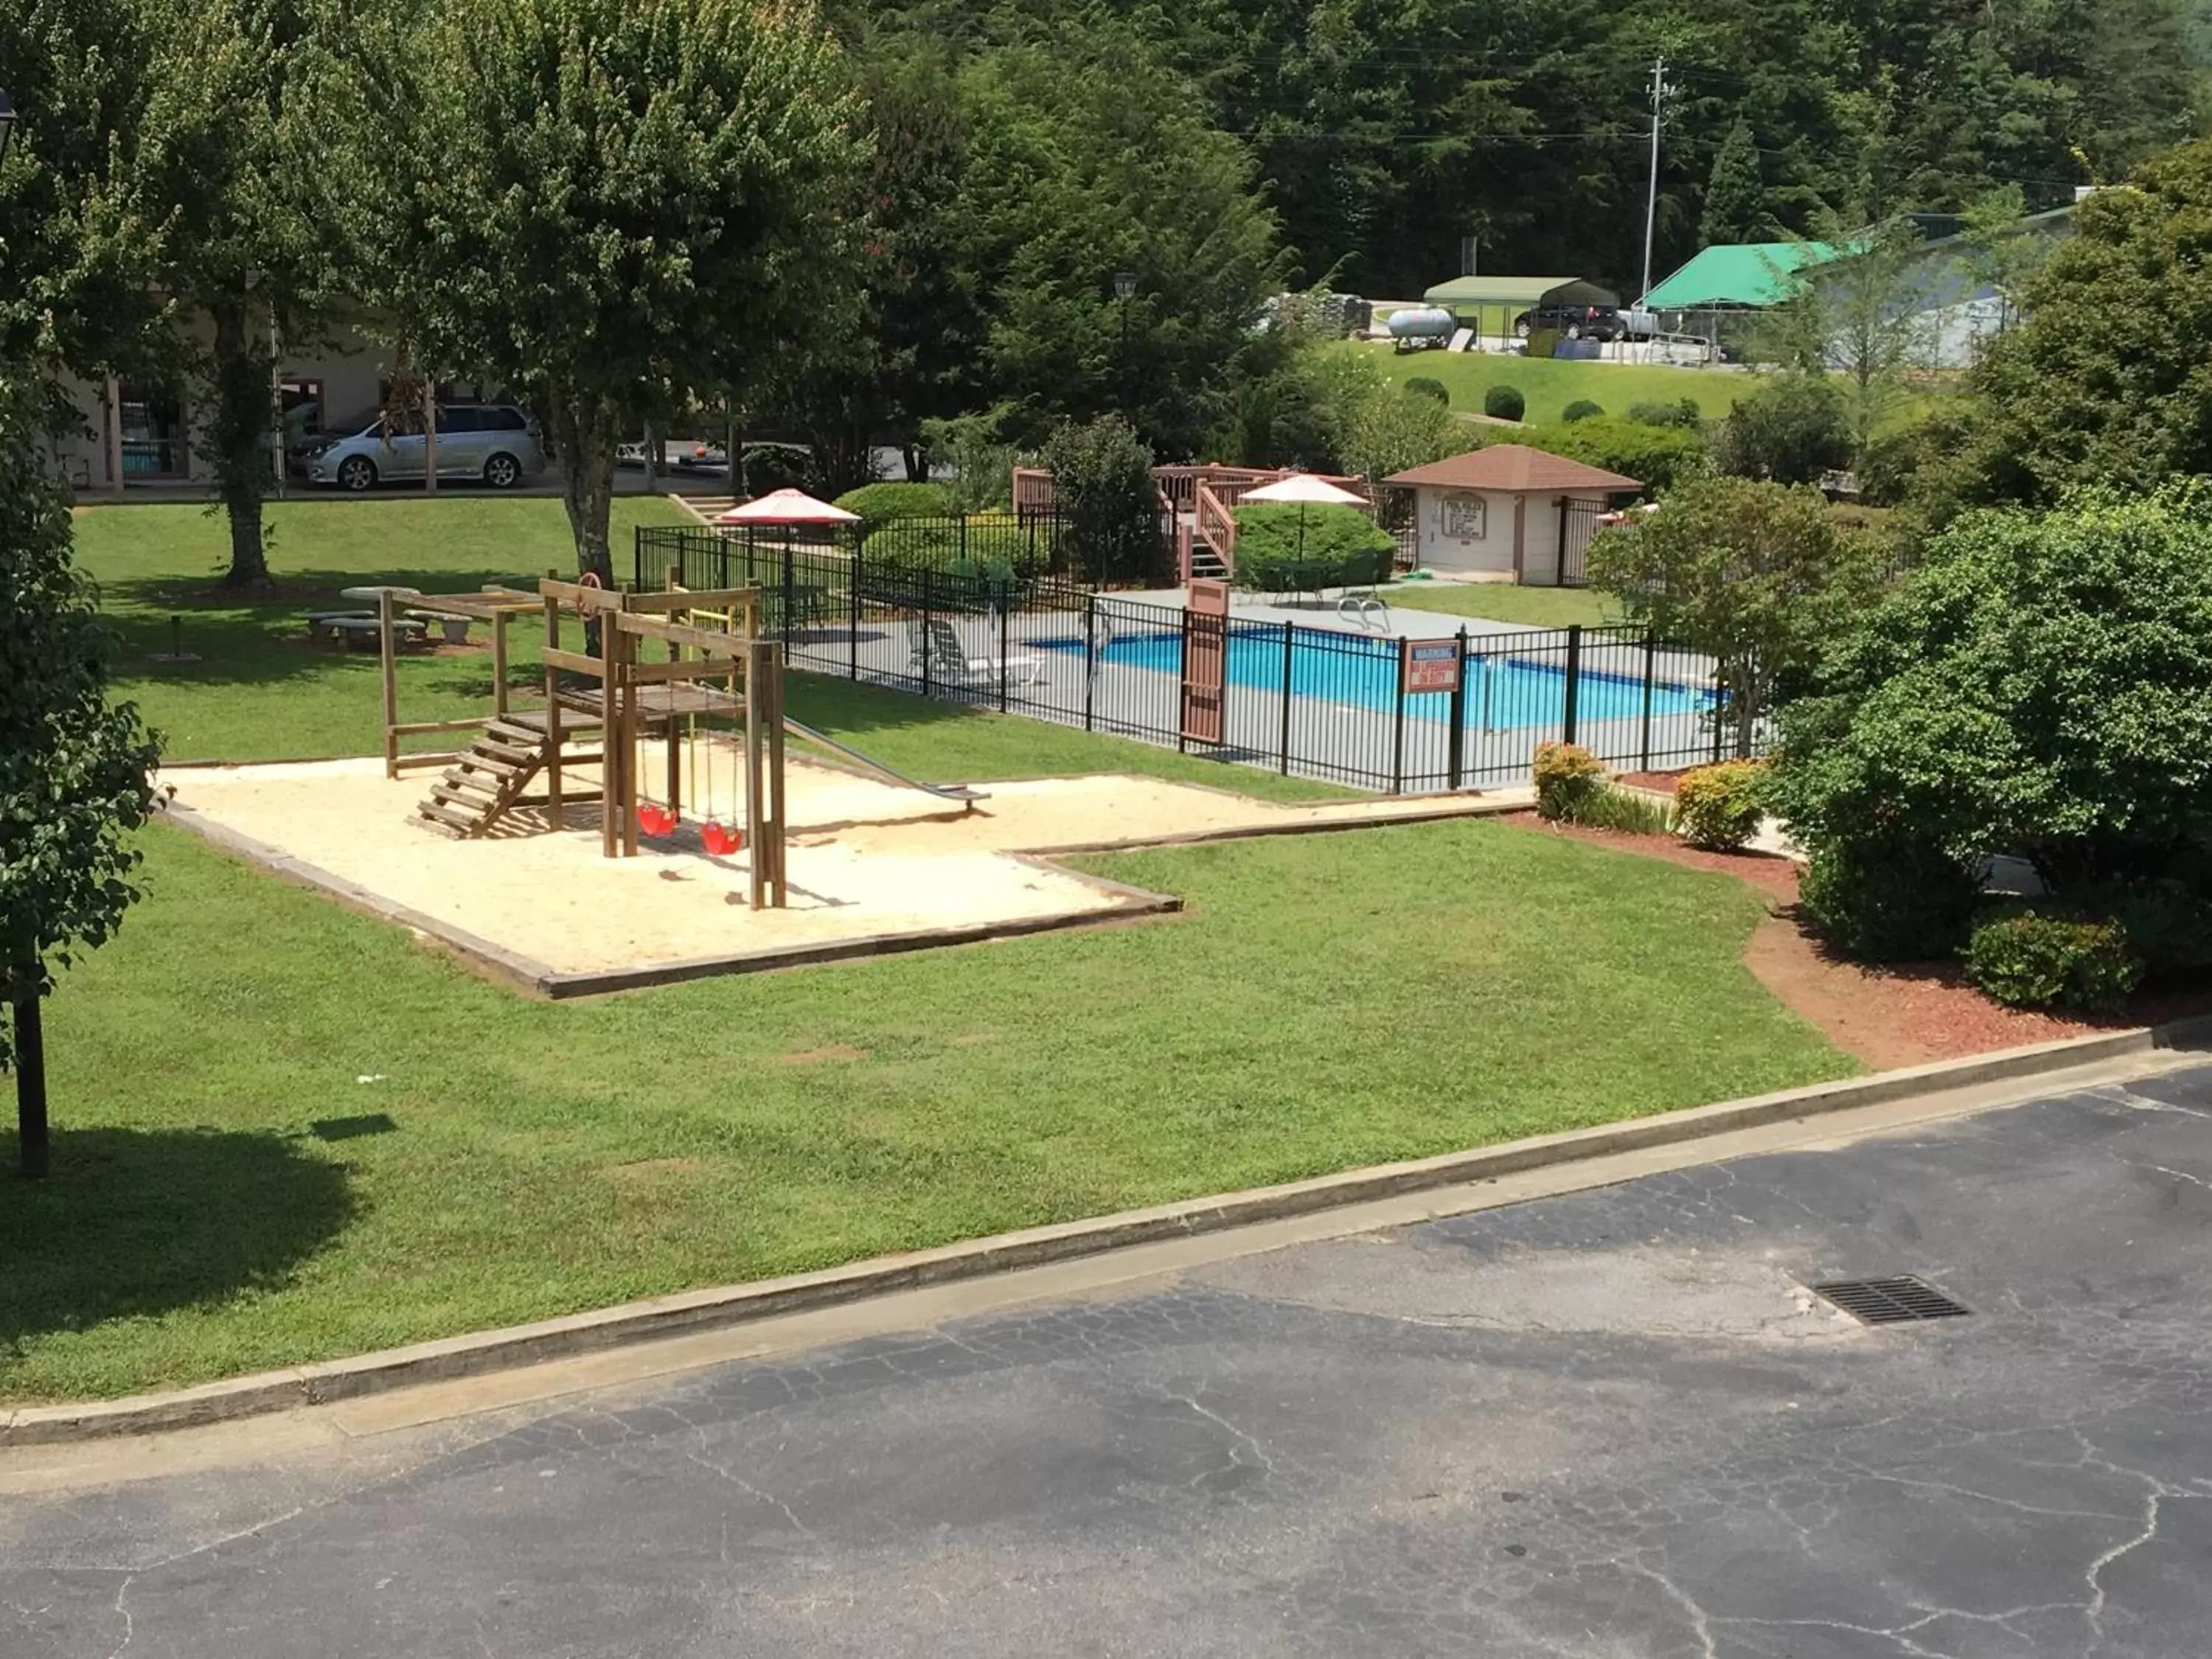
[(715, 664)]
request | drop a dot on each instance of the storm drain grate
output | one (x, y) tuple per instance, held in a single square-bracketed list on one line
[(1889, 1301)]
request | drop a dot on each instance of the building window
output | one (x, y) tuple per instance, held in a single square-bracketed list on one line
[(1466, 518), (153, 426)]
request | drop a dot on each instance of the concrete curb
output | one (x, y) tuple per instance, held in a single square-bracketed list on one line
[(694, 1310)]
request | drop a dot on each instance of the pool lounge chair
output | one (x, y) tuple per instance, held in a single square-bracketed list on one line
[(938, 656)]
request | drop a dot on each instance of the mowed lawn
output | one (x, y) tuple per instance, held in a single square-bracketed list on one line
[(287, 1133), (1548, 385), (1503, 602)]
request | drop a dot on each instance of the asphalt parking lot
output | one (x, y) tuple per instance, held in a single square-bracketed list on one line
[(1612, 1423)]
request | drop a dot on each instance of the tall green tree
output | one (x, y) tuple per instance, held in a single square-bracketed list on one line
[(2104, 382), (1736, 197), (74, 769), (1753, 575), (609, 205)]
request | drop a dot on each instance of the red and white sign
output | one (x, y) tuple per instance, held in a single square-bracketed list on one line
[(1428, 665)]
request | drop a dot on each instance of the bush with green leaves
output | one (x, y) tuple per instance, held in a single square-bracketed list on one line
[(941, 544), (1720, 807), (1421, 386), (1281, 549), (1581, 410), (1504, 402), (1684, 412), (1791, 430), (1884, 897), (1658, 456), (2040, 686), (1568, 777), (1631, 811), (2026, 959), (1109, 506), (876, 502)]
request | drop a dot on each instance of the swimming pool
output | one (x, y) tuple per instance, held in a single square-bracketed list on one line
[(1503, 692)]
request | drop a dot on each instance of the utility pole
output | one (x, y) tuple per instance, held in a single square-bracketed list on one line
[(1660, 91)]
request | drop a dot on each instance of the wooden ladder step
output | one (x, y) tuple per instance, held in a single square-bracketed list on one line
[(507, 736), (436, 814), (500, 765), (460, 792)]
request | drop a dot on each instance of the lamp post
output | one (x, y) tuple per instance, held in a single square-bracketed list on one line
[(1125, 289)]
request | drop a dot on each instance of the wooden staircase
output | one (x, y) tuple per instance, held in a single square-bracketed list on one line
[(489, 779)]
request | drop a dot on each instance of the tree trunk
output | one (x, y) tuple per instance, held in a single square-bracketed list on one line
[(587, 436), (233, 441), (30, 1089)]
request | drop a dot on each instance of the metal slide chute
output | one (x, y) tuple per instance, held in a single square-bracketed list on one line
[(876, 768)]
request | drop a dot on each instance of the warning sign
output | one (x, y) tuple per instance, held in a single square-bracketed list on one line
[(1428, 665)]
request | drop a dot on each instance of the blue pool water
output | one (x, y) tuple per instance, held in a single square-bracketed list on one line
[(1501, 691)]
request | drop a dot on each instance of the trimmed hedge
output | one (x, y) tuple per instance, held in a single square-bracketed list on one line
[(1581, 410), (1422, 386), (942, 544), (1886, 898), (1719, 807), (1568, 779), (1504, 402), (2028, 960), (1340, 547), (878, 501), (1682, 412)]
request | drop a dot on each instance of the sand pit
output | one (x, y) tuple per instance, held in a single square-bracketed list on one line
[(871, 866)]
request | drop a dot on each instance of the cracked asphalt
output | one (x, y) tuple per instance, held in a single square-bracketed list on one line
[(1609, 1423)]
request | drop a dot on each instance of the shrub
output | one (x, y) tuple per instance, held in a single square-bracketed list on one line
[(1581, 410), (1791, 430), (1504, 402), (2166, 924), (1338, 547), (1657, 457), (2029, 960), (941, 544), (876, 502), (1880, 898), (1683, 412), (992, 581), (1568, 777), (1109, 506), (1719, 807), (1422, 386)]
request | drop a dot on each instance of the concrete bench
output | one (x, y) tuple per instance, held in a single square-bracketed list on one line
[(454, 628), (360, 633), (321, 623)]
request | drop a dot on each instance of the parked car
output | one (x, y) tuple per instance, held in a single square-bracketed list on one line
[(1575, 322), (493, 442)]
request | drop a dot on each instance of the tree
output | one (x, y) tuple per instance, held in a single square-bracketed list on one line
[(1736, 197), (73, 769), (2104, 381), (1753, 575), (1791, 430), (1109, 507), (2001, 251), (608, 204), (2041, 686), (1086, 158)]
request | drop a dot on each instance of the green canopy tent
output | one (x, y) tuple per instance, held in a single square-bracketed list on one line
[(1481, 302)]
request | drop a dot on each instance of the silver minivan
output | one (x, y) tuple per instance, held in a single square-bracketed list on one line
[(493, 442)]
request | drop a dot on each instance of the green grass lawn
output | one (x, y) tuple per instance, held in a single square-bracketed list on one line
[(1549, 385), (261, 693), (1505, 602), (286, 1133)]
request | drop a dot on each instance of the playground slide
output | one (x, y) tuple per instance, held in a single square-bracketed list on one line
[(876, 768)]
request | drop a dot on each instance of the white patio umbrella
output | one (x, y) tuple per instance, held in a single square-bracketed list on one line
[(787, 506), (1307, 491)]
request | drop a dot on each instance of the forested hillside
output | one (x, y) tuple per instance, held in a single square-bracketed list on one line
[(1384, 130)]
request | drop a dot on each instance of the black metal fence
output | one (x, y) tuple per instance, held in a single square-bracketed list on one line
[(1312, 701)]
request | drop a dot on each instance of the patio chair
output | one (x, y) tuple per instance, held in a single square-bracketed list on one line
[(938, 656)]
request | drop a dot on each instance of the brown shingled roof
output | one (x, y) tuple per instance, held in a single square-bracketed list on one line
[(1515, 467)]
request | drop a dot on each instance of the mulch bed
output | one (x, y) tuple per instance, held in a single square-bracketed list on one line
[(1887, 1017)]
